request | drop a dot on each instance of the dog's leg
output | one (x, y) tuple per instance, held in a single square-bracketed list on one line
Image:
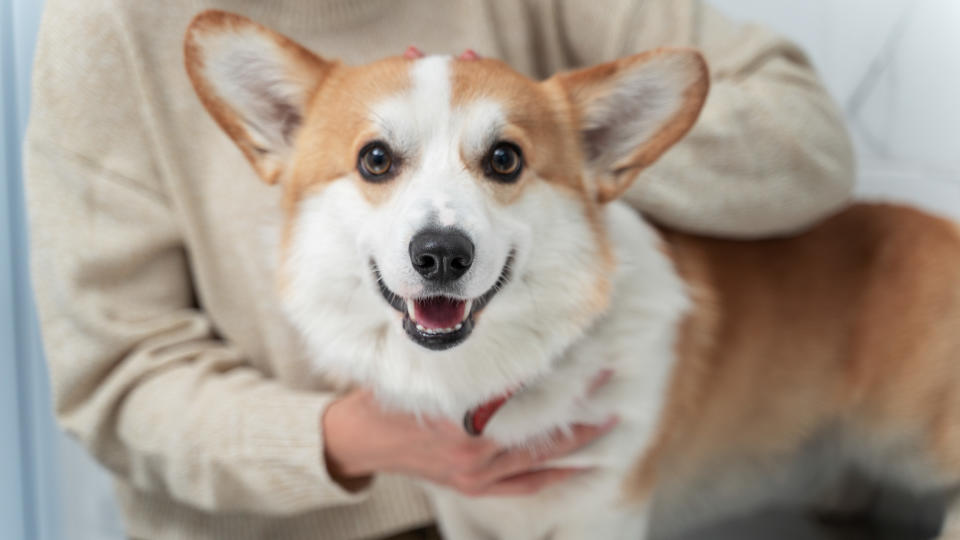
[(631, 524), (452, 526), (453, 523)]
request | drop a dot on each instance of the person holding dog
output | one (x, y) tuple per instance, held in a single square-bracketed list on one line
[(170, 360)]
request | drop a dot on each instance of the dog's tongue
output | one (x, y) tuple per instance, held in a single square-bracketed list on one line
[(438, 313)]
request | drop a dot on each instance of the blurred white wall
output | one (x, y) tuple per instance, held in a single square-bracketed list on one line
[(894, 66)]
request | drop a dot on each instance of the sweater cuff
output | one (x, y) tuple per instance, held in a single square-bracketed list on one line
[(283, 431)]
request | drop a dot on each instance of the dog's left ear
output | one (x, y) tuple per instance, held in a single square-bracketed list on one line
[(256, 83), (632, 110)]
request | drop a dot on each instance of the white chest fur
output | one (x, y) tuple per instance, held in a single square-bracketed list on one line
[(635, 339)]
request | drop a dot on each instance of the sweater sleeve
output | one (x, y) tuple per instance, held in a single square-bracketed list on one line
[(138, 373), (769, 154)]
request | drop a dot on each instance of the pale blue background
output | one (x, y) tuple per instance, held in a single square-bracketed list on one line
[(49, 489), (28, 465), (29, 456), (893, 65)]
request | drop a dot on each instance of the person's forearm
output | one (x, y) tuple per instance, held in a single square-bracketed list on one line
[(768, 156), (139, 376)]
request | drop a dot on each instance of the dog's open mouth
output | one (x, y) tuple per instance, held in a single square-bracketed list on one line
[(440, 322)]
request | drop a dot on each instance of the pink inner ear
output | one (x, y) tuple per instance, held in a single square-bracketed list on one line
[(412, 53), (468, 54)]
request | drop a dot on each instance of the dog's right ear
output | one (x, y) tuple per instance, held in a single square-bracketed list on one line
[(632, 110), (256, 83)]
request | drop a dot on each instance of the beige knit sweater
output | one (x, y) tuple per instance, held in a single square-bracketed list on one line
[(170, 360)]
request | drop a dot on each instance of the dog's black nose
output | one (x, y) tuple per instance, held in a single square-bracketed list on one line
[(441, 256)]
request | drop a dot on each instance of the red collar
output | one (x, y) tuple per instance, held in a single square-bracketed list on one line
[(476, 419)]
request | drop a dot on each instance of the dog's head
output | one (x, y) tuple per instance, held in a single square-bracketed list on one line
[(444, 227)]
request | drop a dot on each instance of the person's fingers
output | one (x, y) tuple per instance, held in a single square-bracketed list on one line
[(473, 455), (580, 436), (599, 380), (444, 427), (521, 460), (504, 465), (412, 53), (528, 483)]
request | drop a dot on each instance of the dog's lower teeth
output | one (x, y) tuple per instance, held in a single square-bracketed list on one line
[(435, 331)]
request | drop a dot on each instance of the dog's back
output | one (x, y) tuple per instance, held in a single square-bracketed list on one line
[(840, 346)]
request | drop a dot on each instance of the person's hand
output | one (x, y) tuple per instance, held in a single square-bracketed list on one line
[(362, 439), (413, 53)]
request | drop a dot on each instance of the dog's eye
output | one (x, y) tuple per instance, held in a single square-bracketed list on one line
[(375, 161), (504, 162)]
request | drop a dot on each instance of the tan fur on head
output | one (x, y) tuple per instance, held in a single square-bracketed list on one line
[(259, 85)]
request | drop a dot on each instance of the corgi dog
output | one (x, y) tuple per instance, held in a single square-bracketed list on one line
[(453, 240)]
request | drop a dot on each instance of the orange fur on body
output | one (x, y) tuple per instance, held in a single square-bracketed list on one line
[(852, 325)]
